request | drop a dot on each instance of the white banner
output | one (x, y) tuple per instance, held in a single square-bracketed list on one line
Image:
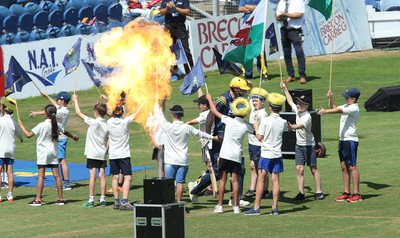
[(45, 58)]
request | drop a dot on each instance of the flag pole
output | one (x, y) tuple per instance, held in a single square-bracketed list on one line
[(16, 104), (332, 48), (76, 79), (263, 43)]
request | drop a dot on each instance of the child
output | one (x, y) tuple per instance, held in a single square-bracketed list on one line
[(348, 141), (176, 147), (120, 155), (258, 97), (204, 107), (95, 149), (269, 131), (8, 130), (61, 102), (46, 151), (231, 150), (305, 144)]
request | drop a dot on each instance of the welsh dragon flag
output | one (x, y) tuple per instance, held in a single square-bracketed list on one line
[(247, 43)]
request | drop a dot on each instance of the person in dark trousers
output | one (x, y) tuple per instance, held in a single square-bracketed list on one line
[(175, 13), (291, 14)]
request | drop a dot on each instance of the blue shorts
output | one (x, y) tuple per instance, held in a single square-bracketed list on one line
[(62, 149), (271, 165), (348, 152), (254, 152), (306, 155), (122, 166), (177, 172), (8, 161)]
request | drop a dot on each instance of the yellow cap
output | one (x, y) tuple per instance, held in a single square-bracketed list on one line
[(9, 103), (240, 83), (256, 91), (276, 99), (240, 107)]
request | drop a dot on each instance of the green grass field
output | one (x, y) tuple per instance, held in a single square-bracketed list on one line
[(376, 216)]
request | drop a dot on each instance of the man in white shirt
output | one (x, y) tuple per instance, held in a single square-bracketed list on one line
[(291, 14)]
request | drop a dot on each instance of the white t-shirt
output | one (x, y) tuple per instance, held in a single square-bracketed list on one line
[(202, 119), (176, 143), (262, 113), (272, 128), (294, 6), (96, 138), (46, 150), (304, 136), (348, 122), (235, 130), (8, 130), (118, 137), (62, 119)]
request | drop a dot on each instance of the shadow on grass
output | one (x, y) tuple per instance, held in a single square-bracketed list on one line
[(375, 186), (368, 196)]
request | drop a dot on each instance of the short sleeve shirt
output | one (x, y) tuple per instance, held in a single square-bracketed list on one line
[(46, 149), (272, 128), (96, 138), (118, 137), (232, 144), (304, 136), (348, 122), (62, 119), (261, 114), (8, 130)]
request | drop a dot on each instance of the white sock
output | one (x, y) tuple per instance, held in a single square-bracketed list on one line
[(102, 198), (9, 194), (91, 198)]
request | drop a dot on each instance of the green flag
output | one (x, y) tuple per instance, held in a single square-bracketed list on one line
[(323, 6)]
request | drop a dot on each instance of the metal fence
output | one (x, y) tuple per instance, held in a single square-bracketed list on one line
[(209, 8)]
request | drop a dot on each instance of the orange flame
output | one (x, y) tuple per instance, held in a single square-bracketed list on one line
[(141, 56)]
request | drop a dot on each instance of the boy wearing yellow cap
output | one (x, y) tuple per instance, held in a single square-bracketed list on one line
[(269, 131), (258, 96), (8, 130)]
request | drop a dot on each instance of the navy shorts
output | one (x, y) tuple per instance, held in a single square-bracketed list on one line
[(122, 166), (229, 166), (8, 161), (306, 155), (47, 166), (254, 152), (348, 152), (95, 163)]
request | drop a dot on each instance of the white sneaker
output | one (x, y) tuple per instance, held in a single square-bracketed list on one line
[(10, 198), (242, 203), (192, 197), (218, 209), (236, 209)]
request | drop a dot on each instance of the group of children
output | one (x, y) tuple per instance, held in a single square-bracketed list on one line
[(265, 141), (112, 137)]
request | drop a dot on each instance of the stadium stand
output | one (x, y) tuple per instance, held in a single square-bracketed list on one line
[(30, 20)]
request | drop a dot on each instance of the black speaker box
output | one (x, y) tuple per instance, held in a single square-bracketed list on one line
[(159, 190), (385, 99), (297, 93)]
